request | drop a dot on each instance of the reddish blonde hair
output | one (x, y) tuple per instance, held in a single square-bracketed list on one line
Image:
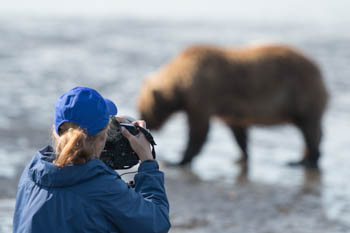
[(74, 146)]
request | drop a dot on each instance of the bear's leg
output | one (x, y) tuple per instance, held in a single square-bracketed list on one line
[(241, 136), (312, 133), (198, 132)]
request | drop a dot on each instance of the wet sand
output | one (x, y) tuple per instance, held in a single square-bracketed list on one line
[(206, 206), (243, 206)]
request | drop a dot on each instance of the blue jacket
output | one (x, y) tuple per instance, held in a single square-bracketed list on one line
[(89, 197)]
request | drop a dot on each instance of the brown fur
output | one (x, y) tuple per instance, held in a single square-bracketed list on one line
[(264, 85)]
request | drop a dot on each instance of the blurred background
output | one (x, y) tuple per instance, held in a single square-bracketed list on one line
[(48, 47)]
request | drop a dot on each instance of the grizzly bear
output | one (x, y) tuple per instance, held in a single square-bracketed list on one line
[(260, 85)]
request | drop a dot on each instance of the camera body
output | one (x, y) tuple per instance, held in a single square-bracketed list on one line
[(117, 152)]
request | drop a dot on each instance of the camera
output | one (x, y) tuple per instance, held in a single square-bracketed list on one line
[(117, 152)]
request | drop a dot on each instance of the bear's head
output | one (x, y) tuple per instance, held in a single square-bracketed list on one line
[(156, 104)]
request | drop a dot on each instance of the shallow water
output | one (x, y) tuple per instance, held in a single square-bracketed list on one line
[(42, 57)]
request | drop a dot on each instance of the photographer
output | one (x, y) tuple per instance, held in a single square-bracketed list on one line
[(69, 189)]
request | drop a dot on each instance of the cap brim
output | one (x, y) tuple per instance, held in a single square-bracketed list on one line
[(111, 107)]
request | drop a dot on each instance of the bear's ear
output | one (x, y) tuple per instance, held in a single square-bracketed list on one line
[(157, 95)]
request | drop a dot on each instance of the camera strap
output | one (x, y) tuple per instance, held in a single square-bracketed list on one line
[(149, 138)]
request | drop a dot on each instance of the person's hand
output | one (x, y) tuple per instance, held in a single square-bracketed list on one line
[(139, 142)]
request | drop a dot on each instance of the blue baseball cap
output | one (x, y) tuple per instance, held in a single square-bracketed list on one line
[(85, 107)]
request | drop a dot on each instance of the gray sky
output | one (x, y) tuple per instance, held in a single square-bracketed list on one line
[(291, 10)]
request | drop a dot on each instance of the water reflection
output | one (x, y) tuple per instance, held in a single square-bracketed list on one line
[(312, 182), (201, 205), (242, 177), (312, 179)]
